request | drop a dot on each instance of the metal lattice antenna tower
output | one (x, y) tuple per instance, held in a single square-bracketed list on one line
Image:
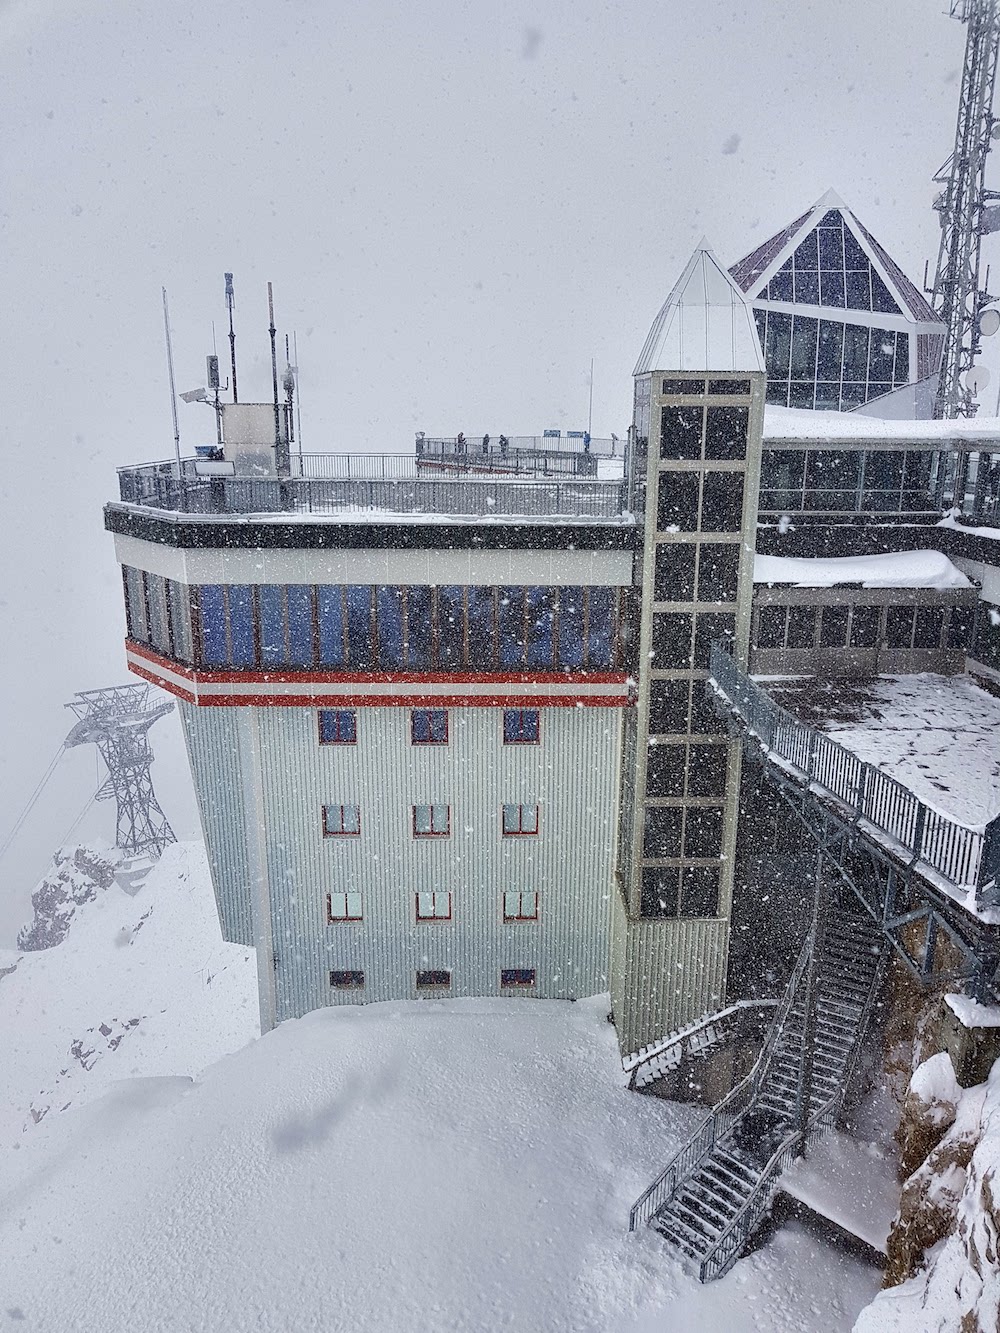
[(956, 294), (117, 720)]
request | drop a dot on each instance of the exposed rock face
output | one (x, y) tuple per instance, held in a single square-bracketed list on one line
[(74, 878), (929, 1109)]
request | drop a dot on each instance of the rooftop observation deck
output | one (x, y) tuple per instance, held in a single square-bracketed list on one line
[(529, 478)]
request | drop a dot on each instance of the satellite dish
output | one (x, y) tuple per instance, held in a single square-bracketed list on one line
[(977, 379), (989, 322)]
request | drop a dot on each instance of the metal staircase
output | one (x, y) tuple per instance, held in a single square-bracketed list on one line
[(710, 1198)]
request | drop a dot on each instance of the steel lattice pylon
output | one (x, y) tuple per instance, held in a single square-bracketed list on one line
[(117, 720), (956, 295)]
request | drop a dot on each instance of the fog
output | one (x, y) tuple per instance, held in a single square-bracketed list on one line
[(459, 206)]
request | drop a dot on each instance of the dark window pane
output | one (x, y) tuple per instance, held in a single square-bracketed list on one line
[(826, 470), (828, 397), (156, 600), (510, 624), (541, 639), (884, 470), (521, 726), (389, 606), (960, 627), (212, 610), (718, 571), (661, 837), (831, 288), (180, 619), (668, 707), (677, 505), (806, 254), (722, 502), (801, 626), (780, 287), (680, 432), (338, 726), (418, 627), (833, 627), (807, 288), (917, 471), (881, 355), (881, 297), (726, 432), (330, 610), (683, 388), (899, 627), (707, 630), (571, 643), (705, 719), (802, 394), (135, 605), (831, 351), (901, 371), (600, 626), (929, 627), (858, 290), (699, 891), (272, 624), (671, 641), (776, 391), (804, 335), (658, 897), (665, 770), (865, 621), (481, 626), (831, 245), (300, 625), (771, 627), (779, 345), (855, 353), (703, 832), (451, 627), (359, 627), (674, 572), (730, 387), (854, 256), (707, 766), (782, 469), (851, 395), (241, 626)]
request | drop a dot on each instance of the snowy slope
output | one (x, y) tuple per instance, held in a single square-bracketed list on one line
[(139, 986), (452, 1165)]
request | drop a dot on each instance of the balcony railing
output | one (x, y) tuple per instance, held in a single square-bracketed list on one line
[(964, 857), (329, 484)]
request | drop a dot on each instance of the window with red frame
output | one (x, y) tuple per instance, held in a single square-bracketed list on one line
[(521, 726), (347, 980), (431, 821), (433, 978), (338, 726), (341, 821), (521, 905), (429, 726), (433, 906), (343, 907), (511, 977), (520, 821)]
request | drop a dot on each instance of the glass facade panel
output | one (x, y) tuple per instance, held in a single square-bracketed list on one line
[(680, 432), (330, 613), (726, 433), (135, 605), (510, 626), (451, 626), (722, 502), (571, 641), (300, 625), (389, 606), (360, 649), (156, 601), (718, 571), (419, 627), (672, 641), (600, 627), (708, 628), (661, 837), (833, 627), (677, 502), (668, 707), (241, 635), (674, 576), (659, 892), (180, 620), (707, 766), (541, 639), (212, 613), (703, 832), (665, 766), (272, 625), (699, 891), (865, 626), (481, 626)]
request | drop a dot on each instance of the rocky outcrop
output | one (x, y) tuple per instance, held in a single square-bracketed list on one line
[(75, 877)]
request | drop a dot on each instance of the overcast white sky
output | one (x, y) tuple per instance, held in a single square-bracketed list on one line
[(459, 205)]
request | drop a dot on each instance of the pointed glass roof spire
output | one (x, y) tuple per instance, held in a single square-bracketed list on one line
[(706, 323)]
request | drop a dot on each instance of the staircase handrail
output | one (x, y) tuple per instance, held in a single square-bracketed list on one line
[(636, 1063), (698, 1146), (734, 1235)]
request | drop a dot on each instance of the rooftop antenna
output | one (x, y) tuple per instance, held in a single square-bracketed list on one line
[(298, 399), (170, 372), (274, 366), (590, 412), (230, 301), (288, 383)]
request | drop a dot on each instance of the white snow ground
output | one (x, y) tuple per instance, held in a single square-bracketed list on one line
[(455, 1165)]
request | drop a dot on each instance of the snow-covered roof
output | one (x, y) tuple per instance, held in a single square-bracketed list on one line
[(900, 569), (796, 423), (706, 324)]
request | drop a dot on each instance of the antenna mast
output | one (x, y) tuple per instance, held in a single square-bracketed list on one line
[(230, 301), (956, 294), (173, 392)]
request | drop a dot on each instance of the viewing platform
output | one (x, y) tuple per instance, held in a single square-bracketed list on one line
[(432, 487)]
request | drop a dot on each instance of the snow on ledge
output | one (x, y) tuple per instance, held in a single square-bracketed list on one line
[(796, 423), (900, 569), (972, 1014)]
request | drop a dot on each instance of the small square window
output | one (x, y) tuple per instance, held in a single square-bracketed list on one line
[(433, 906), (429, 726), (431, 821), (521, 905), (347, 980), (434, 978), (699, 891), (521, 726), (341, 821), (516, 976), (520, 820), (722, 502), (343, 907), (338, 726)]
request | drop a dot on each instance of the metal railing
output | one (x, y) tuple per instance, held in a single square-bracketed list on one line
[(697, 1041), (922, 837), (724, 1115), (732, 1240), (386, 483)]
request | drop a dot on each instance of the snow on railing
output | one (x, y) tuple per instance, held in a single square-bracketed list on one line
[(696, 1041), (965, 857)]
